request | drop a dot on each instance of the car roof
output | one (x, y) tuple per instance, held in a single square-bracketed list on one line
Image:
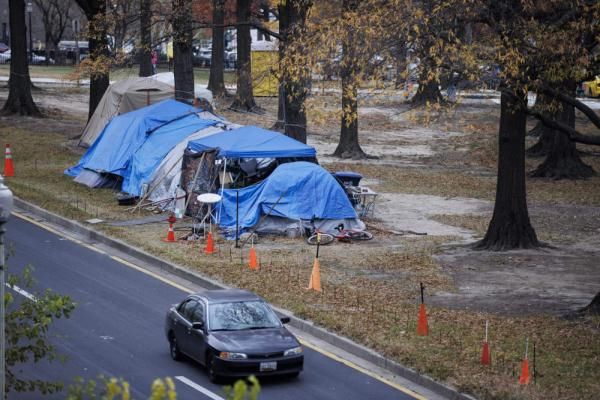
[(227, 295)]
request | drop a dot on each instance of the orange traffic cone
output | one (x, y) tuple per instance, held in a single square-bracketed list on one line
[(9, 168), (485, 352), (171, 234), (315, 277), (422, 327), (210, 244), (253, 261), (525, 378)]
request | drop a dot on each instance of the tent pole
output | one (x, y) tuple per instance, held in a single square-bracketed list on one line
[(222, 191), (237, 218)]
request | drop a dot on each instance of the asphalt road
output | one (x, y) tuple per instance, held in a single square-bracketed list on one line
[(117, 329)]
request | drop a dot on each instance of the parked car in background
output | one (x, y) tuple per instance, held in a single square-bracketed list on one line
[(35, 58), (592, 88), (39, 59), (230, 59), (233, 333), (3, 47), (202, 57), (5, 57)]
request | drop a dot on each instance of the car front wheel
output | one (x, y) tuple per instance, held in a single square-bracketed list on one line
[(174, 349)]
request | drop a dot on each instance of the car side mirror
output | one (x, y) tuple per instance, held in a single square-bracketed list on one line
[(198, 325), (285, 320)]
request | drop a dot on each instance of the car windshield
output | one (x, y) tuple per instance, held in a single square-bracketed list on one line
[(241, 315)]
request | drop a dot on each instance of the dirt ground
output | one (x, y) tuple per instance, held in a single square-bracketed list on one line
[(553, 280)]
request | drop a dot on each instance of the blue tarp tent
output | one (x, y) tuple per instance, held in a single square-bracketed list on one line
[(124, 134), (306, 190), (150, 154), (253, 142)]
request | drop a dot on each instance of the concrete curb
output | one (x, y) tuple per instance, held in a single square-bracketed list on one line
[(341, 342)]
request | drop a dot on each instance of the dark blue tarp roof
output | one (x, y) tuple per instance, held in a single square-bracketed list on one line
[(306, 190), (124, 134), (253, 142)]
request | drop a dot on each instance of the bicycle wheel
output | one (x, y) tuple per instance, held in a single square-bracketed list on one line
[(360, 235), (325, 239)]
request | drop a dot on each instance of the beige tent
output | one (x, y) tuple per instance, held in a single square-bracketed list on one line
[(121, 97)]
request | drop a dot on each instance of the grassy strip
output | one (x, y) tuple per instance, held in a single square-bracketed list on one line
[(370, 290)]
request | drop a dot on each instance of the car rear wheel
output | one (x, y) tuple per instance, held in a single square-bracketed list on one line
[(210, 369), (174, 349)]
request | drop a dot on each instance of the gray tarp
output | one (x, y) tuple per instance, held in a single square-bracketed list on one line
[(121, 97)]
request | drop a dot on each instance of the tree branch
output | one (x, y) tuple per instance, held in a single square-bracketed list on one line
[(573, 134), (588, 112)]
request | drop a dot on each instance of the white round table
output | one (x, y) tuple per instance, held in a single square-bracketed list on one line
[(209, 199)]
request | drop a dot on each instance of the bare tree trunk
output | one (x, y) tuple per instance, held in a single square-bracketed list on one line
[(428, 90), (146, 38), (563, 161), (541, 102), (216, 83), (19, 99), (182, 50), (542, 147), (510, 227), (244, 97), (537, 130), (348, 146), (401, 66), (544, 133), (294, 88), (98, 48), (594, 306), (95, 11), (47, 48), (279, 125)]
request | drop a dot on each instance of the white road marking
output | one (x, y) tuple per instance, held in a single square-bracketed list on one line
[(199, 388), (22, 292)]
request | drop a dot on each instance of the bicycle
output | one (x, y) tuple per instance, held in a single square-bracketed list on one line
[(314, 236), (343, 235)]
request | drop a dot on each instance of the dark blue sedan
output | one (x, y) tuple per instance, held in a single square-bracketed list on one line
[(233, 333)]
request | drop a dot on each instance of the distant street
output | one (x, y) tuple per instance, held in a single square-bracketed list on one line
[(117, 329)]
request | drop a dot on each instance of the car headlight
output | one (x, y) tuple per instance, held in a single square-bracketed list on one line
[(293, 352), (225, 355)]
